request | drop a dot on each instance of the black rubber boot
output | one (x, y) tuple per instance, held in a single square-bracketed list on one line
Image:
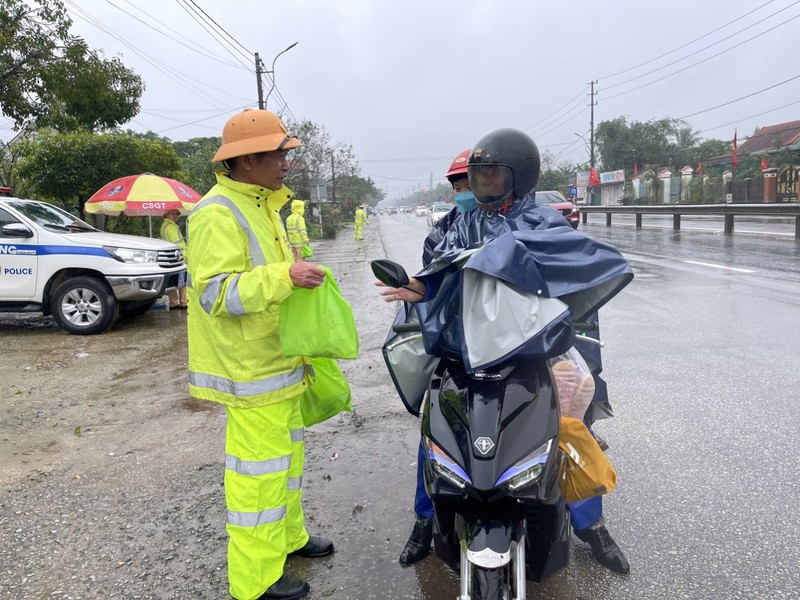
[(604, 548), (418, 545), (286, 588)]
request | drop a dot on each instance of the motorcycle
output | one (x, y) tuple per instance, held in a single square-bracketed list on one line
[(477, 357)]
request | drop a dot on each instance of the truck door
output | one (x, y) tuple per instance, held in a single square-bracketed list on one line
[(18, 261)]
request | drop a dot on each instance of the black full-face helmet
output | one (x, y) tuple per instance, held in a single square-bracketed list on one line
[(504, 165)]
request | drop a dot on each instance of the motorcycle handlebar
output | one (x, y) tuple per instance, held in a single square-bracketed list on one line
[(585, 325), (406, 327)]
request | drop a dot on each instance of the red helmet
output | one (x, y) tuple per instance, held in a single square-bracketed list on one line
[(459, 164)]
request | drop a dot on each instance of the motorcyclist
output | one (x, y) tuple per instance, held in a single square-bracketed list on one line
[(419, 542), (503, 170)]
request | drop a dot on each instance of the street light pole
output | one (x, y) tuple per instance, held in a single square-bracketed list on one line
[(272, 73)]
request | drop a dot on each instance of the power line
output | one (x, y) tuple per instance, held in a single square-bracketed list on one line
[(608, 87), (170, 72), (702, 61), (222, 29), (177, 40), (580, 94), (215, 36), (748, 117), (699, 112), (687, 43)]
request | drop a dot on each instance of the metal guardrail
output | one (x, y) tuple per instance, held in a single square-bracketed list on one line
[(728, 211)]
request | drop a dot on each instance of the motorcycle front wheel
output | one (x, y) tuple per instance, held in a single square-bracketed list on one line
[(491, 584)]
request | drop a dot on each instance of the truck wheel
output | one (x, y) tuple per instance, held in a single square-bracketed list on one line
[(83, 306)]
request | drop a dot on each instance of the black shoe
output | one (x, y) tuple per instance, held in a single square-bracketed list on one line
[(418, 545), (315, 547), (604, 548), (286, 588)]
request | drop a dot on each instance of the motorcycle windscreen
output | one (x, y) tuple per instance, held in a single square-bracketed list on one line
[(557, 263), (501, 322), (410, 367)]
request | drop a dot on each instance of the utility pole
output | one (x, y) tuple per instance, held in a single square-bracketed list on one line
[(591, 123), (333, 184), (259, 66)]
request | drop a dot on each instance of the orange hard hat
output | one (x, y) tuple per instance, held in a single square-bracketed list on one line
[(253, 131), (459, 164)]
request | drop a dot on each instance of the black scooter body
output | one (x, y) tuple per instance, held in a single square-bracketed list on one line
[(515, 408)]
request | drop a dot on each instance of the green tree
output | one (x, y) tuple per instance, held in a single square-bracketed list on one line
[(705, 150), (358, 189), (196, 154), (319, 159), (50, 78), (68, 168), (622, 143)]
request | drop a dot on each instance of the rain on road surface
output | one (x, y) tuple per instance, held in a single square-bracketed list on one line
[(702, 366)]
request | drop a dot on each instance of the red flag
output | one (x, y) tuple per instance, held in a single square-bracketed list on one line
[(735, 161), (763, 163), (635, 170), (699, 168), (594, 179)]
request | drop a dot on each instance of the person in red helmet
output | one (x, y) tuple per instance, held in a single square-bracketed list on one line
[(503, 171), (418, 545)]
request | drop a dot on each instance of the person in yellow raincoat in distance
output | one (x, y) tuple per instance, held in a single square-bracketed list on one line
[(296, 228), (361, 219), (170, 232)]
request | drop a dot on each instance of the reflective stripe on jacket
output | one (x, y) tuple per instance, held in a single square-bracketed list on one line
[(238, 276), (296, 224)]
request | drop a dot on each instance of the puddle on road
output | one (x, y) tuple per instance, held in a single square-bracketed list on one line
[(195, 405)]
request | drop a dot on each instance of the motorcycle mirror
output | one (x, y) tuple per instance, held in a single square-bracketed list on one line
[(389, 273)]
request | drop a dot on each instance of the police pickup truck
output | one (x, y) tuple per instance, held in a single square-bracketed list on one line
[(53, 263)]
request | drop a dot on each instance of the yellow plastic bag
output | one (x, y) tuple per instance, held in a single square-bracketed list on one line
[(318, 322), (328, 395), (585, 469)]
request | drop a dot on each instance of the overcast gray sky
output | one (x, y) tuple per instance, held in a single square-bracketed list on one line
[(411, 83)]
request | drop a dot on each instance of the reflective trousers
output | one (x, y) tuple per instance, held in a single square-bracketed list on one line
[(358, 231), (263, 492), (583, 513)]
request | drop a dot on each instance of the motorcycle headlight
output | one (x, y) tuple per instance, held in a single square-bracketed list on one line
[(446, 466), (132, 255), (527, 471)]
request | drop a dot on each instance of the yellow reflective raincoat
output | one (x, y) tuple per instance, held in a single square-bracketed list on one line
[(296, 225), (170, 232), (238, 276), (361, 218)]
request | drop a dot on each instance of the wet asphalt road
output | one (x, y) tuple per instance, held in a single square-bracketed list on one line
[(703, 370), (702, 367)]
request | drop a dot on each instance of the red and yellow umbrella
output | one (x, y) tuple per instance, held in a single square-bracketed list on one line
[(145, 195)]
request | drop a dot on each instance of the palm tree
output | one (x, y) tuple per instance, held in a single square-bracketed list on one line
[(686, 138)]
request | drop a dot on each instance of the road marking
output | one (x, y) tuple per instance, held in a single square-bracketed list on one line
[(702, 264)]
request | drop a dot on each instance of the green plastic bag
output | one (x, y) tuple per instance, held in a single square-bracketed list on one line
[(306, 251), (318, 322), (328, 395)]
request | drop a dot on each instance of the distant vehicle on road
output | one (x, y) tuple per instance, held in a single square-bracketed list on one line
[(556, 200), (392, 210), (422, 210), (438, 210)]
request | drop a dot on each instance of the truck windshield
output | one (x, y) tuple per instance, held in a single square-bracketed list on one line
[(47, 215)]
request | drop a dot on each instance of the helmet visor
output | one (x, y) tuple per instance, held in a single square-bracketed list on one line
[(490, 183)]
